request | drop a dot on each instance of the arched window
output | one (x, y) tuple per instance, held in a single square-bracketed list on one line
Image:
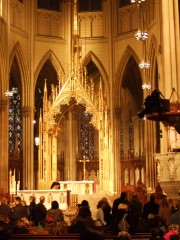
[(52, 5), (131, 137), (90, 5), (86, 140), (15, 121), (123, 3)]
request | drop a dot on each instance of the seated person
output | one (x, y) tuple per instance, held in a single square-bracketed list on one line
[(56, 184)]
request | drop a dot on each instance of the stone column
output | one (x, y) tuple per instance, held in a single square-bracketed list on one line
[(150, 172), (28, 148), (116, 144), (54, 158), (168, 54), (4, 183), (70, 147)]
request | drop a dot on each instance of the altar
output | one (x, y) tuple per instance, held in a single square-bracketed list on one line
[(67, 196), (78, 187), (62, 197)]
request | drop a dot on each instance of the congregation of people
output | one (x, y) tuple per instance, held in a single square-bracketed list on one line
[(123, 219)]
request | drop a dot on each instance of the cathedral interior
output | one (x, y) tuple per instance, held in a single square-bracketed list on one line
[(89, 90)]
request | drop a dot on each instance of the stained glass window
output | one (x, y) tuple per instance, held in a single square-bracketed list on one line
[(131, 137), (86, 146), (123, 3), (121, 143), (52, 5), (15, 121), (90, 5)]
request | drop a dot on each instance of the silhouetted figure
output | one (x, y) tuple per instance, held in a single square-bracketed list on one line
[(41, 212), (54, 214), (5, 210), (19, 211), (100, 222), (32, 208), (135, 213), (154, 103), (84, 203), (107, 211), (84, 221), (120, 207), (150, 212), (55, 184)]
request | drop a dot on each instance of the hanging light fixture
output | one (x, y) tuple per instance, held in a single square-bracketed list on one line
[(144, 65), (137, 1), (9, 93), (142, 35)]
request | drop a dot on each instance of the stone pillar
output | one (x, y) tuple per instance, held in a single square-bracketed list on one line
[(4, 145), (168, 54), (150, 171), (70, 158), (28, 147), (54, 158), (116, 144)]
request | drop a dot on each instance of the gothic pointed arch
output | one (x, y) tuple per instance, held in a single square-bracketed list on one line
[(129, 98), (49, 55), (17, 54), (122, 67), (96, 69), (17, 71)]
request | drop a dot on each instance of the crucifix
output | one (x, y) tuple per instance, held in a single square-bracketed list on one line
[(84, 160)]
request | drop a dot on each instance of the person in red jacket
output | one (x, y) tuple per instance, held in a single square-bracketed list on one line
[(173, 230)]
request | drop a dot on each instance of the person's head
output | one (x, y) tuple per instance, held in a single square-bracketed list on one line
[(175, 228), (84, 212), (123, 235), (134, 198), (104, 199), (42, 199), (32, 199), (101, 204), (84, 203), (4, 201), (123, 195), (17, 200), (152, 197), (54, 205)]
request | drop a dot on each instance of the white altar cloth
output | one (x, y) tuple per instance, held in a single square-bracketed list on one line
[(78, 187), (50, 195)]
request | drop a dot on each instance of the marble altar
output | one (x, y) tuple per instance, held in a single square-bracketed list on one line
[(63, 197), (78, 187)]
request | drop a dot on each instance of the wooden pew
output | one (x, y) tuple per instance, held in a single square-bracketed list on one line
[(45, 237), (69, 236)]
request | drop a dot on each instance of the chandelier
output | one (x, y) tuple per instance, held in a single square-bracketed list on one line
[(9, 93), (142, 35), (137, 1), (144, 65)]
